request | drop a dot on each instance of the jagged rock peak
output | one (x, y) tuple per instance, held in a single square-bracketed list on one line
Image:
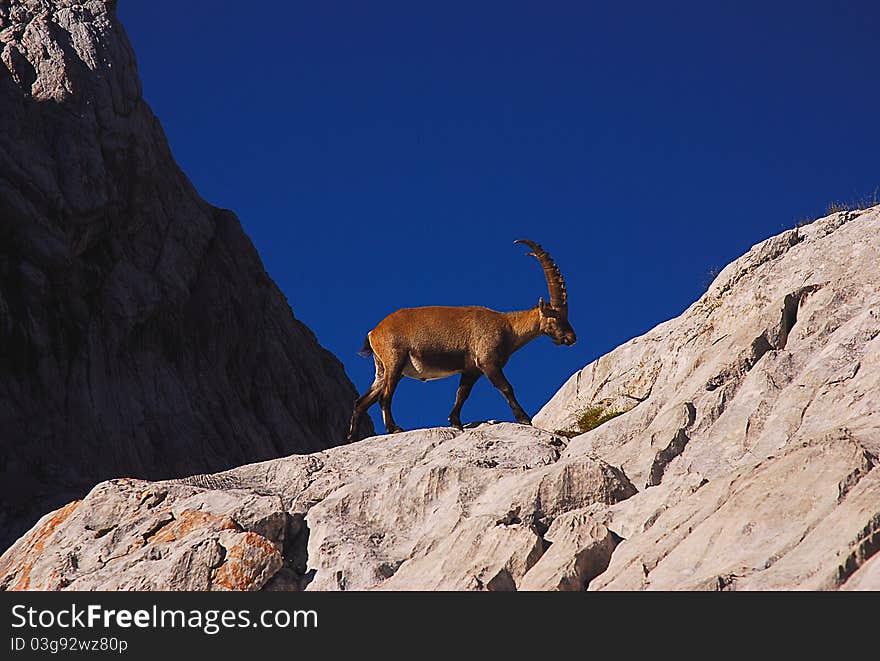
[(139, 332)]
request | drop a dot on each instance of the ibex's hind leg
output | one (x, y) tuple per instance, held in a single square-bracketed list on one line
[(468, 379), (393, 373), (496, 376), (366, 400), (361, 405)]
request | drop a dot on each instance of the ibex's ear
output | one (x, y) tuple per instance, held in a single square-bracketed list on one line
[(545, 308)]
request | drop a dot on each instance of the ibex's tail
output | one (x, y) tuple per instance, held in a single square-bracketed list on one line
[(366, 351)]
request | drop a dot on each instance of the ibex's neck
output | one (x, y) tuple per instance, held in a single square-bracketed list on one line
[(526, 325)]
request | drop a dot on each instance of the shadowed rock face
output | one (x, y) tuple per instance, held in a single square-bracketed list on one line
[(747, 460), (139, 332)]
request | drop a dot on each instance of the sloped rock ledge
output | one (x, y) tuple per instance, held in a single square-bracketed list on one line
[(430, 509), (758, 437)]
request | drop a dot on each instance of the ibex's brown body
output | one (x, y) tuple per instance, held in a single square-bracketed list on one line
[(435, 342)]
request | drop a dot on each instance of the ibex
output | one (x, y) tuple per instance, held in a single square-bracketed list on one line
[(435, 342)]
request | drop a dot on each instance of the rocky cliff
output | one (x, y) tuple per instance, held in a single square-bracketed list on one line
[(139, 332), (744, 458)]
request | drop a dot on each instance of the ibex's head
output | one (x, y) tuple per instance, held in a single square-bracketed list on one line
[(554, 315)]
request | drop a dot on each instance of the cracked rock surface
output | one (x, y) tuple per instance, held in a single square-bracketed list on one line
[(753, 422), (139, 332)]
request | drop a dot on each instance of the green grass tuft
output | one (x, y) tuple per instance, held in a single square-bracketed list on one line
[(592, 417)]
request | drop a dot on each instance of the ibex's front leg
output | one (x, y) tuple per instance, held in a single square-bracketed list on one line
[(468, 379), (496, 376)]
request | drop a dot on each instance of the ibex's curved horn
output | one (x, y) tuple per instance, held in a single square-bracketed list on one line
[(555, 281)]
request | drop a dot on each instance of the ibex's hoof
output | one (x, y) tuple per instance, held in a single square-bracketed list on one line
[(524, 421), (456, 424), (396, 429)]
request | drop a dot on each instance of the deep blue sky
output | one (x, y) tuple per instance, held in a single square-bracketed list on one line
[(385, 155)]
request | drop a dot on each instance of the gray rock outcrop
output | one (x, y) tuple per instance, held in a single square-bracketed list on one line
[(139, 332)]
